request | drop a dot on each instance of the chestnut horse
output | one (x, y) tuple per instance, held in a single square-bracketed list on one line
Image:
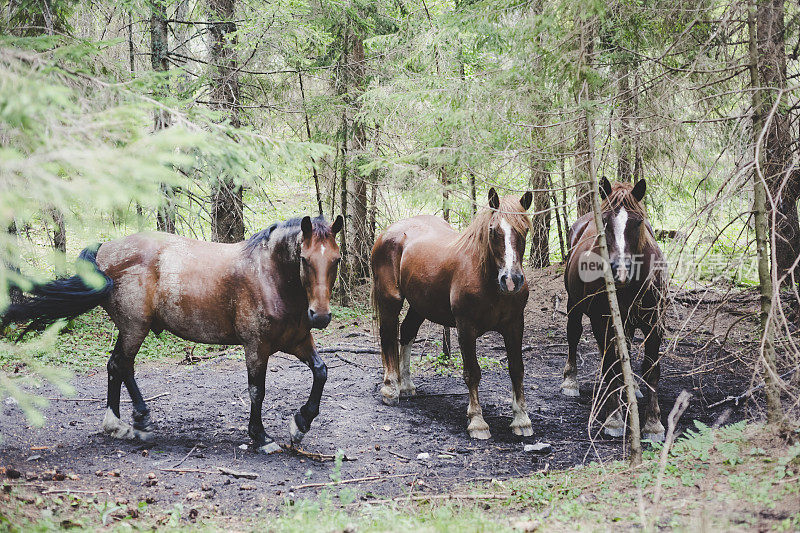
[(638, 268), (473, 281), (265, 293)]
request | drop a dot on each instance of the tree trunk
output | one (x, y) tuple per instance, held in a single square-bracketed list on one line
[(624, 129), (540, 228), (308, 134), (165, 219), (558, 219), (473, 193), (584, 152), (761, 107), (358, 232), (227, 209), (59, 240), (446, 184), (780, 177)]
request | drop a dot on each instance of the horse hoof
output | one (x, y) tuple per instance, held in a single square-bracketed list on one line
[(116, 427), (615, 432), (295, 434), (523, 431), (269, 448), (572, 393), (390, 401), (408, 391), (144, 436), (481, 434), (653, 437)]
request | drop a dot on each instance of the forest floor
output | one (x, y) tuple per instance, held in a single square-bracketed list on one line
[(201, 408)]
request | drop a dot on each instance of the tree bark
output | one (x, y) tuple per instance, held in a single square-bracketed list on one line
[(761, 108), (584, 151), (165, 218), (782, 180), (624, 129), (358, 231), (446, 184), (540, 219), (308, 134), (227, 209)]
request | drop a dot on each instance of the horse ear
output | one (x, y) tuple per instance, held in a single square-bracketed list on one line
[(338, 224), (526, 200), (305, 225), (639, 189), (605, 188), (494, 200)]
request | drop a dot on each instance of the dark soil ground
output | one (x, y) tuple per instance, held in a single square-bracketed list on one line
[(202, 415)]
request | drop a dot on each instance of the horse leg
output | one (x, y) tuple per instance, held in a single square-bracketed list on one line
[(614, 425), (408, 332), (389, 317), (574, 330), (651, 370), (521, 423), (120, 370), (630, 331), (301, 421), (477, 428), (256, 359)]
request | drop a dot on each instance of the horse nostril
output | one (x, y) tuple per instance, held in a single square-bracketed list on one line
[(311, 314)]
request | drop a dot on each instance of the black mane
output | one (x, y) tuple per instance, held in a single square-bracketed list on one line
[(320, 228)]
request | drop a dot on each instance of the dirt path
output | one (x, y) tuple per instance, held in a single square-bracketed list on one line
[(206, 411)]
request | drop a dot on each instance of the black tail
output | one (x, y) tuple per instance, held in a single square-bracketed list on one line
[(61, 298)]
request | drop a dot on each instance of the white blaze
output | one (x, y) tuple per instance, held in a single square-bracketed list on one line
[(510, 253), (620, 222)]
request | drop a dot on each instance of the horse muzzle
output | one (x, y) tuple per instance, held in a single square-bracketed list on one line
[(621, 270), (319, 320), (510, 283)]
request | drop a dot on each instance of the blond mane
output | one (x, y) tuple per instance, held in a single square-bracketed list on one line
[(621, 196), (474, 240)]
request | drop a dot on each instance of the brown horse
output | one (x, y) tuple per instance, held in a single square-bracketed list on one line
[(638, 268), (265, 293), (473, 281)]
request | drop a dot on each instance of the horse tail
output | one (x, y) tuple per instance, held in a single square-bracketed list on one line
[(62, 298)]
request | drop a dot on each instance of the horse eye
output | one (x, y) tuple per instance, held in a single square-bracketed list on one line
[(304, 261)]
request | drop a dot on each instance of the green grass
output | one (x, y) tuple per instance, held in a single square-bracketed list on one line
[(86, 343)]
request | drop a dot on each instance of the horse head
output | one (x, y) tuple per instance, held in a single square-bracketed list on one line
[(508, 226), (319, 263), (626, 234)]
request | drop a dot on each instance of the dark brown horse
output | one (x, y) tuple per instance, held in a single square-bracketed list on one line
[(638, 268), (473, 281), (265, 293)]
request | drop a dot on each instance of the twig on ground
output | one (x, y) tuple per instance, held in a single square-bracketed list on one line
[(681, 403), (348, 349), (150, 399), (353, 480), (314, 456), (426, 497), (179, 463), (237, 474), (745, 394), (398, 455), (70, 491), (187, 471)]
